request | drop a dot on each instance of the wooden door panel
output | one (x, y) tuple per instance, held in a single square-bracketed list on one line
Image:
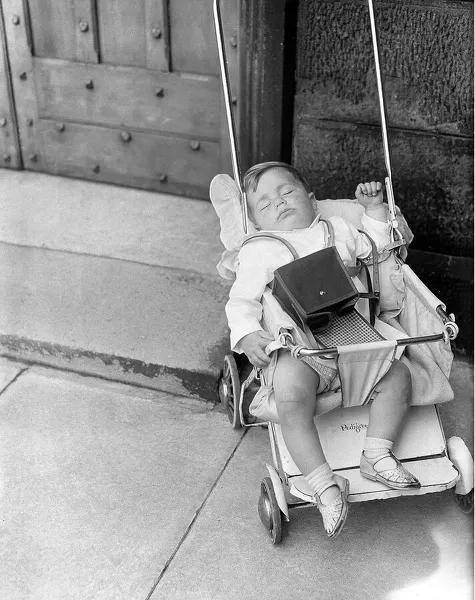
[(193, 45), (121, 32), (145, 160), (157, 34), (133, 33), (62, 29), (9, 146), (186, 105), (19, 52)]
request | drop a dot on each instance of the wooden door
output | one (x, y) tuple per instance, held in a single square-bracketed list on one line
[(123, 92)]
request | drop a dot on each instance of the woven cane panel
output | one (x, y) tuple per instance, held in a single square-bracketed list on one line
[(350, 328)]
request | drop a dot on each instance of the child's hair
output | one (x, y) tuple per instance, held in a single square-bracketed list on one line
[(252, 175)]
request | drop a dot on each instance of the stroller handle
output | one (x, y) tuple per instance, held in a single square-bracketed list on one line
[(398, 238), (218, 26)]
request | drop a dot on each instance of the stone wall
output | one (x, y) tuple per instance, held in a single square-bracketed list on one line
[(426, 53)]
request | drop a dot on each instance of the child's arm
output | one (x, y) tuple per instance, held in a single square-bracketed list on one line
[(375, 209), (244, 308), (374, 222), (370, 196)]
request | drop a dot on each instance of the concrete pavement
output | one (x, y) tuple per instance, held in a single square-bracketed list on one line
[(114, 492)]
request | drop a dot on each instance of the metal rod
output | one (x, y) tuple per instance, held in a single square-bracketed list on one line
[(436, 337), (387, 156), (374, 35), (402, 342), (229, 110)]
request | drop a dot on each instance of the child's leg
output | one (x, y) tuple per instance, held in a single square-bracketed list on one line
[(295, 387), (390, 404), (387, 414)]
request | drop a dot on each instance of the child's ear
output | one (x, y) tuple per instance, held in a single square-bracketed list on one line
[(313, 200)]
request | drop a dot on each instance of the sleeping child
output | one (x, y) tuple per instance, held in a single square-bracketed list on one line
[(280, 201)]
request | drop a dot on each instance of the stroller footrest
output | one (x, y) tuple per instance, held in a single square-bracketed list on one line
[(435, 474)]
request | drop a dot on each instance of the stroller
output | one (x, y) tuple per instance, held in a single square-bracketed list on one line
[(425, 334)]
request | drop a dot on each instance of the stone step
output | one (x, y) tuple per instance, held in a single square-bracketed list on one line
[(113, 282), (153, 326)]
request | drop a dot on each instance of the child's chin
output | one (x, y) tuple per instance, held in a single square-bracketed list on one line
[(289, 224)]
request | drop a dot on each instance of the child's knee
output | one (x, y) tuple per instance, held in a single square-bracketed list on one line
[(295, 403)]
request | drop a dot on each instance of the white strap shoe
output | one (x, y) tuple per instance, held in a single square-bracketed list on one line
[(334, 514), (398, 478)]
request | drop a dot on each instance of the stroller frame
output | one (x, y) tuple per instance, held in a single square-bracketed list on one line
[(441, 464)]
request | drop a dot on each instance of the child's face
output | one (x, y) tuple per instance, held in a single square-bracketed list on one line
[(280, 202)]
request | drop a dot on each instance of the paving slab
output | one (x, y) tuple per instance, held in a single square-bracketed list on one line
[(9, 370), (99, 484), (86, 217), (149, 325), (399, 549)]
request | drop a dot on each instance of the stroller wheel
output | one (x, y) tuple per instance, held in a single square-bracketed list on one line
[(269, 511), (230, 390), (460, 455), (465, 501)]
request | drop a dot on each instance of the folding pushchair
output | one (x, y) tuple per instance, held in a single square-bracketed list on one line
[(426, 332)]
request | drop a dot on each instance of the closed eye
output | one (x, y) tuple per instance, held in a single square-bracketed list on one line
[(264, 207), (287, 192)]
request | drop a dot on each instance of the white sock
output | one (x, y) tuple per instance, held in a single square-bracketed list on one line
[(321, 478), (375, 447)]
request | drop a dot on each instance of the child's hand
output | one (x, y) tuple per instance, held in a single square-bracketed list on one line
[(253, 345), (369, 194)]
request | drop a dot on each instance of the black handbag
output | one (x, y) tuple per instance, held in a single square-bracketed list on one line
[(313, 289)]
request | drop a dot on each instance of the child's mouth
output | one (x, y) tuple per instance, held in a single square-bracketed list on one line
[(285, 212)]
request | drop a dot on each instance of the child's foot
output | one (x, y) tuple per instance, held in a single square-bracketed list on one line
[(387, 469), (332, 503)]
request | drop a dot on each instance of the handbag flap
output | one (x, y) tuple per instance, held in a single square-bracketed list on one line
[(315, 282)]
